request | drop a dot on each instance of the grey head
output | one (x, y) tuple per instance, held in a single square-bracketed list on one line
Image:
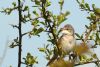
[(68, 30)]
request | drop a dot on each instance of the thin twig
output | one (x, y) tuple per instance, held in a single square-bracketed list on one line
[(87, 62), (25, 33), (87, 35)]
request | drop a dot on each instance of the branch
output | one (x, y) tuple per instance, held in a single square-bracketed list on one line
[(82, 39), (30, 19), (25, 33), (48, 22), (20, 33), (14, 26), (87, 62), (87, 35)]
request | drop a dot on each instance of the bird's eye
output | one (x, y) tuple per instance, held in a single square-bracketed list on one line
[(67, 29)]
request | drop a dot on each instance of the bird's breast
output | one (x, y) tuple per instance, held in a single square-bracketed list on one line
[(67, 43)]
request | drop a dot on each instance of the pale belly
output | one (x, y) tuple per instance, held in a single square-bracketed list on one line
[(68, 43)]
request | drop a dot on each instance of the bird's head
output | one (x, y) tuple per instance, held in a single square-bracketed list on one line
[(67, 30)]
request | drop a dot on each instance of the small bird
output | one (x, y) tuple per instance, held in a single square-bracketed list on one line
[(66, 42)]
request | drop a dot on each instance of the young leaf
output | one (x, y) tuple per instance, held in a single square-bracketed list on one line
[(37, 2), (86, 26), (94, 56), (35, 23), (82, 1), (97, 11), (43, 23), (36, 31), (42, 49), (36, 13), (48, 3), (14, 4), (87, 6), (30, 60), (93, 6), (77, 35), (61, 4), (25, 8)]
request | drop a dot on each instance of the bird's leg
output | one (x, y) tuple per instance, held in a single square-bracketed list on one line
[(72, 57)]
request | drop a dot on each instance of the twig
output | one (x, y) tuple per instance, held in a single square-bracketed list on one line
[(87, 35), (46, 20), (14, 26), (25, 33), (83, 39), (87, 62)]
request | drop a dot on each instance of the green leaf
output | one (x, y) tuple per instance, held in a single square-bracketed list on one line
[(40, 30), (94, 56), (93, 16), (13, 44), (62, 17), (83, 57), (89, 18), (78, 1), (82, 5), (25, 8), (48, 3), (87, 6), (42, 49), (8, 11), (97, 11), (10, 66), (30, 60), (37, 2), (77, 35), (28, 55), (43, 23), (82, 1), (36, 31), (51, 40), (35, 6), (93, 6), (97, 38), (86, 26), (67, 13), (34, 12), (35, 23), (89, 59), (61, 2), (94, 26), (14, 4)]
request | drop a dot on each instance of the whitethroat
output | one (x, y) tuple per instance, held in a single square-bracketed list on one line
[(66, 42)]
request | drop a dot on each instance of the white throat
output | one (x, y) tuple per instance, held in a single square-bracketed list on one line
[(66, 32)]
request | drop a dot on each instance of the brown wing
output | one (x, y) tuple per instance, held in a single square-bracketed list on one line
[(59, 45)]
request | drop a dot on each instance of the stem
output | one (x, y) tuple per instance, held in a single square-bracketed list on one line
[(87, 63), (20, 35), (48, 22), (87, 35)]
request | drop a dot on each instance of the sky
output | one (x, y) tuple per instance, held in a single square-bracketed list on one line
[(77, 19)]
